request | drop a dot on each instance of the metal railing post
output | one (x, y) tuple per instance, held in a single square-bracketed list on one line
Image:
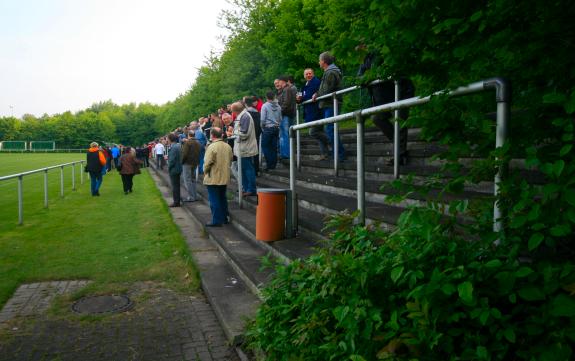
[(503, 98), (298, 139), (292, 172), (62, 181), (360, 168), (335, 138), (239, 160), (46, 188), (396, 131), (73, 177), (82, 172), (20, 200)]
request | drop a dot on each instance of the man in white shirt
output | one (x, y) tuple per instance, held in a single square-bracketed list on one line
[(159, 152)]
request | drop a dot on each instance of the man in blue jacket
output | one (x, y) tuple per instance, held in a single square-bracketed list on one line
[(311, 111)]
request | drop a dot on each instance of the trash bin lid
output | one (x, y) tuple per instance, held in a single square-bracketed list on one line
[(272, 190)]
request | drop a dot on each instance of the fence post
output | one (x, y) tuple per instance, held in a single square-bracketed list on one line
[(298, 140), (360, 168), (335, 138), (73, 177), (81, 172), (396, 133), (46, 188), (239, 160), (292, 174), (62, 181), (20, 200)]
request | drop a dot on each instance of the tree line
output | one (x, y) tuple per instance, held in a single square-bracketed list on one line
[(439, 44)]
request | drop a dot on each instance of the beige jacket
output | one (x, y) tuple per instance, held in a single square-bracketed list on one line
[(217, 163)]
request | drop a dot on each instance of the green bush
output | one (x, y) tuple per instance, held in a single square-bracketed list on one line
[(423, 292)]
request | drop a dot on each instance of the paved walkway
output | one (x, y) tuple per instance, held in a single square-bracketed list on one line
[(163, 325)]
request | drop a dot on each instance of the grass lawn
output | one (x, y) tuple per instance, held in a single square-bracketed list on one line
[(112, 239)]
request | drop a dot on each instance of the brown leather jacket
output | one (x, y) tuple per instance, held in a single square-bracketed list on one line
[(130, 164), (191, 152)]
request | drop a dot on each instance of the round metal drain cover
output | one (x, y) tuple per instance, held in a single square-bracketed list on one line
[(96, 305)]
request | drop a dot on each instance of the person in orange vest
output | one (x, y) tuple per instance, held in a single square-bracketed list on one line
[(95, 161)]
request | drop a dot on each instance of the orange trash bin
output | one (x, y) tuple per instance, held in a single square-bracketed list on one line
[(270, 214)]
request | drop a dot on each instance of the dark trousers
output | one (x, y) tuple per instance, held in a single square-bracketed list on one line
[(127, 182), (385, 93), (270, 146), (159, 161), (218, 203), (175, 180)]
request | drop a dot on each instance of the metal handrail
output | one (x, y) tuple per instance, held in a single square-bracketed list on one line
[(21, 176), (503, 98), (334, 95)]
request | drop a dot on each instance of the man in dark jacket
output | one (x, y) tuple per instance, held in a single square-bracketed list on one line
[(251, 103), (95, 161), (384, 93), (330, 82), (311, 111), (190, 160), (287, 102), (175, 168)]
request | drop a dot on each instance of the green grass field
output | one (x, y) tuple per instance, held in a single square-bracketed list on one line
[(112, 239)]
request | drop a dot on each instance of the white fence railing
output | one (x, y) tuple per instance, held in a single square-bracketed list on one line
[(20, 177)]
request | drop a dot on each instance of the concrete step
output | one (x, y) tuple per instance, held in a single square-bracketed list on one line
[(371, 135), (376, 191)]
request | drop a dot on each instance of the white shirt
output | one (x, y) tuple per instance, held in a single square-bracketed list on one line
[(159, 149)]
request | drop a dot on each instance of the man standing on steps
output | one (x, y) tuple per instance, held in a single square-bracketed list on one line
[(217, 176), (384, 93), (311, 111), (271, 118), (175, 168), (287, 102), (246, 148), (330, 82), (250, 104), (190, 160)]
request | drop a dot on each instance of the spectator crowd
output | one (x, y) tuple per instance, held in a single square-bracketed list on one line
[(216, 146)]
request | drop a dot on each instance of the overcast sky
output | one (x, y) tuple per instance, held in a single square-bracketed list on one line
[(59, 55)]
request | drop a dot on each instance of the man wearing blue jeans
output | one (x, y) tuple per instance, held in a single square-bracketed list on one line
[(217, 176), (287, 102), (330, 82)]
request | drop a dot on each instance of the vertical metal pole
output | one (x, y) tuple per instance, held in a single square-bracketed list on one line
[(292, 170), (62, 181), (239, 160), (73, 177), (20, 200), (396, 132), (500, 137), (260, 152), (46, 188), (298, 139), (81, 172), (335, 138), (360, 168)]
